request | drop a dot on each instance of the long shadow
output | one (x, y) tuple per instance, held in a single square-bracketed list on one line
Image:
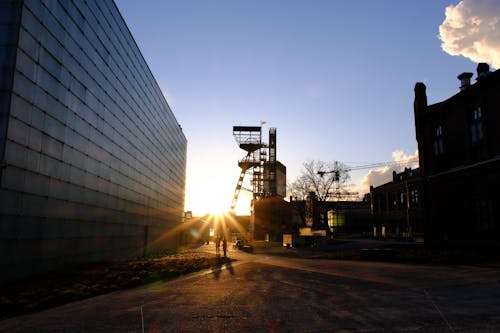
[(229, 267), (216, 271)]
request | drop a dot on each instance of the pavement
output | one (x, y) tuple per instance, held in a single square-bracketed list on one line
[(267, 293)]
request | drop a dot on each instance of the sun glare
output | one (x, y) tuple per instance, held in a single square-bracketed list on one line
[(225, 225), (213, 204), (218, 211)]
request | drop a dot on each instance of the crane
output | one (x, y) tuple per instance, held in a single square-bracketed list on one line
[(338, 169), (367, 166)]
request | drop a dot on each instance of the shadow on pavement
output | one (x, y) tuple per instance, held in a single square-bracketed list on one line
[(216, 271), (230, 268)]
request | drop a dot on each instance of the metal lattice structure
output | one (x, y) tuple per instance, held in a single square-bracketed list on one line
[(249, 138)]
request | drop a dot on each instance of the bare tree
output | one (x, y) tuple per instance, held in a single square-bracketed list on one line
[(326, 179)]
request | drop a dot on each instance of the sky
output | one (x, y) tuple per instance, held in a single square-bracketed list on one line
[(335, 78)]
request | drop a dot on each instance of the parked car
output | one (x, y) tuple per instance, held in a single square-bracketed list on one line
[(243, 245)]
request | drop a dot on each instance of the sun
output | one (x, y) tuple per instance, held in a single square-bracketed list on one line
[(213, 204), (218, 210), (225, 225), (208, 196)]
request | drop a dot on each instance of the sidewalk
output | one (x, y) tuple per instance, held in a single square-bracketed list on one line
[(84, 281)]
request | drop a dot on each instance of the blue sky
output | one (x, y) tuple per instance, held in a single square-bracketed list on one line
[(335, 78)]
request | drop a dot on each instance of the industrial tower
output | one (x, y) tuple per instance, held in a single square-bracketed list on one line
[(249, 138), (267, 175)]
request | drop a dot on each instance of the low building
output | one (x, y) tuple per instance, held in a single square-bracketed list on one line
[(272, 217), (459, 156), (397, 205), (331, 216)]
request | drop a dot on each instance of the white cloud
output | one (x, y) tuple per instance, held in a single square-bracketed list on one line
[(376, 177), (472, 29)]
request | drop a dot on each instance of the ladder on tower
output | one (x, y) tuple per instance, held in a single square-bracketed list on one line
[(238, 189)]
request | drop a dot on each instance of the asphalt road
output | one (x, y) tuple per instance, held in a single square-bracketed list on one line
[(260, 293)]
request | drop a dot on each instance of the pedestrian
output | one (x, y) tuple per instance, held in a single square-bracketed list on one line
[(224, 246), (217, 246)]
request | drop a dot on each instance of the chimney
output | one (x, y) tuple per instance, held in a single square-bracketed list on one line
[(419, 108), (464, 80), (483, 69)]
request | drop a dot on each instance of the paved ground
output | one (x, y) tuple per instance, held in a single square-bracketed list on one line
[(261, 293)]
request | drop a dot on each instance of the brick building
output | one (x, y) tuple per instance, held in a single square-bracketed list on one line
[(459, 155), (397, 205)]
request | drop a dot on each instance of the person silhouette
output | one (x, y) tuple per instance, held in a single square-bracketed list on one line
[(224, 246), (217, 246)]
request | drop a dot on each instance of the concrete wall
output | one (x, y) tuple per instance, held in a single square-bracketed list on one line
[(94, 163)]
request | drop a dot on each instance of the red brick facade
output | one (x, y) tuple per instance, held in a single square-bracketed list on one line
[(459, 154)]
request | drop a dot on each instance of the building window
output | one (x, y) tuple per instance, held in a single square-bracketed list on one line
[(393, 202), (414, 197), (476, 125), (438, 141), (479, 149)]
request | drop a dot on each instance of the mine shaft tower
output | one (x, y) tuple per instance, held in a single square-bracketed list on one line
[(260, 162), (249, 138)]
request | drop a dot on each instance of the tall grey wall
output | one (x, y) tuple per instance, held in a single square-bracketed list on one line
[(95, 160), (10, 17)]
